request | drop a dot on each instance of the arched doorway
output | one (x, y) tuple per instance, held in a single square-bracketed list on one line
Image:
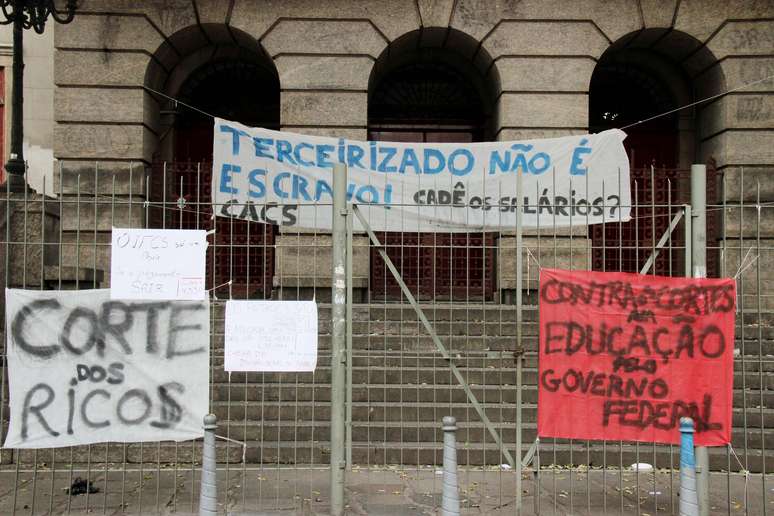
[(623, 92), (226, 75), (434, 86), (641, 76)]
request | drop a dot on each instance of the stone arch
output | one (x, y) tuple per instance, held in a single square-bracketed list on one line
[(435, 76), (203, 70), (650, 72), (644, 74), (197, 63), (435, 85)]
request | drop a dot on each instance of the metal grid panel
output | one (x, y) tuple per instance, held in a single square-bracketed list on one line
[(280, 417), (436, 265), (658, 192), (249, 262), (400, 385)]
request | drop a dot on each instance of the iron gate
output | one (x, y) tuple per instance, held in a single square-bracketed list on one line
[(436, 266)]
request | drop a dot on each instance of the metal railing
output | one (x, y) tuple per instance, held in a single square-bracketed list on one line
[(398, 385)]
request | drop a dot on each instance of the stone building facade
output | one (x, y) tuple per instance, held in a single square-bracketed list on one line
[(497, 70)]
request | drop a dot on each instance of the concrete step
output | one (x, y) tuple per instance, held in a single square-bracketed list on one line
[(369, 375), (379, 342), (594, 455), (400, 393), (368, 392), (374, 411), (467, 327), (441, 376), (419, 412), (486, 312), (415, 328), (379, 453), (469, 432), (401, 310), (468, 312), (183, 453), (464, 343), (494, 360)]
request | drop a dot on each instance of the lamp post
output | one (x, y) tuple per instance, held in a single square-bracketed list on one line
[(25, 14)]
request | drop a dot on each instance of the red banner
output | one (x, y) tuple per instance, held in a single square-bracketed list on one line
[(625, 356)]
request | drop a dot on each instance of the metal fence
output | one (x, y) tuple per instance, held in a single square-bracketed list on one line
[(277, 447)]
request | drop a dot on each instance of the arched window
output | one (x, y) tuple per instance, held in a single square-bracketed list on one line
[(434, 86), (426, 102), (226, 75), (637, 78), (238, 90), (624, 93)]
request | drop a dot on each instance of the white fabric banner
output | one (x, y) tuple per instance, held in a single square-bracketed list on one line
[(270, 336), (286, 179), (87, 369)]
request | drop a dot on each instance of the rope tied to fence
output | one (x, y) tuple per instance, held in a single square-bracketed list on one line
[(241, 443), (744, 265), (742, 470)]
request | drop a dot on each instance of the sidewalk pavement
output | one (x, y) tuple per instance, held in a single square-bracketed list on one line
[(391, 490)]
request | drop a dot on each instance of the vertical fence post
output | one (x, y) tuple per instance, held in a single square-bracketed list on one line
[(208, 494), (689, 501), (450, 498), (699, 223), (338, 338), (349, 257), (687, 219), (699, 270), (519, 344)]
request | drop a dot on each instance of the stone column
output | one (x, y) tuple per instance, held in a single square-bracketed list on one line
[(29, 240), (302, 266), (326, 96), (564, 249), (736, 132), (543, 97)]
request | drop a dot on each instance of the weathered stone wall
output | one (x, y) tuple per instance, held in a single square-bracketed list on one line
[(544, 51)]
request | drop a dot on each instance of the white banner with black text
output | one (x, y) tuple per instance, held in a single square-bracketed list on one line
[(286, 179), (84, 368)]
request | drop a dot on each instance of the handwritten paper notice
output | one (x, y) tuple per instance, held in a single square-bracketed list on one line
[(271, 336), (158, 264)]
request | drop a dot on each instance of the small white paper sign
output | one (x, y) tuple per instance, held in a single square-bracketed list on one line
[(271, 336), (158, 264)]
